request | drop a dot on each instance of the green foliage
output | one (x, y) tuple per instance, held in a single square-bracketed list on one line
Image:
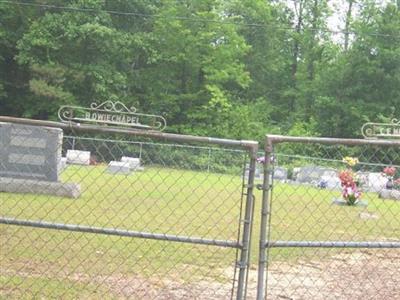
[(208, 66)]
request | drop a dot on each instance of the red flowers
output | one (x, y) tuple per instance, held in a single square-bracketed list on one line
[(346, 177)]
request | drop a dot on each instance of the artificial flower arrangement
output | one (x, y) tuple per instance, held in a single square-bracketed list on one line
[(350, 182), (389, 173)]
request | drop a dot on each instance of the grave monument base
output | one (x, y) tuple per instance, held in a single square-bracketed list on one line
[(390, 194), (25, 186)]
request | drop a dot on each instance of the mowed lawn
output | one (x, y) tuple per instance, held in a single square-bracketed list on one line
[(170, 201)]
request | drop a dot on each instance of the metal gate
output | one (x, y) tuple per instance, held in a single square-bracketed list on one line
[(315, 243), (174, 225), (178, 223)]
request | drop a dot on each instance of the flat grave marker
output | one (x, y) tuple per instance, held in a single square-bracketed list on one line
[(119, 167), (77, 157)]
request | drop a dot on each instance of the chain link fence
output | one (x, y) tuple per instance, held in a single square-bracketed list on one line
[(96, 212), (140, 215), (330, 219)]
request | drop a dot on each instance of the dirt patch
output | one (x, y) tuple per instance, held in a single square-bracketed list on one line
[(351, 275)]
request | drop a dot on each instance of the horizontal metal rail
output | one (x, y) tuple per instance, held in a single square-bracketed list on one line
[(75, 127), (274, 139), (331, 244), (120, 232)]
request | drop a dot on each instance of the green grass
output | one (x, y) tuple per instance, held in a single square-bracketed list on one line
[(168, 201)]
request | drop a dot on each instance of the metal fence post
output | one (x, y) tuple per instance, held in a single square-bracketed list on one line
[(262, 260), (209, 160), (248, 220)]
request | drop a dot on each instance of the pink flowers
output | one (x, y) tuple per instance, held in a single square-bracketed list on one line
[(389, 171), (261, 159), (350, 191), (349, 182)]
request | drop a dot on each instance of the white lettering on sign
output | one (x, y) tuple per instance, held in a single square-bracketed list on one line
[(111, 118), (381, 130), (111, 113)]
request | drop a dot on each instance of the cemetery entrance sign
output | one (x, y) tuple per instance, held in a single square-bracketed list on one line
[(381, 130), (111, 113)]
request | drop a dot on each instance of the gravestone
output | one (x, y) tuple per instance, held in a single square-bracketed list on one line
[(280, 173), (119, 167), (376, 182), (330, 179), (295, 173), (311, 174), (30, 161), (30, 152), (77, 157), (134, 163), (390, 194)]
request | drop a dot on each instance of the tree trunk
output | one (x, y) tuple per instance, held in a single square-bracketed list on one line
[(296, 51), (314, 27), (347, 25)]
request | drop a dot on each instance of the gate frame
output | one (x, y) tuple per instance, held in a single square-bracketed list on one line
[(267, 186), (243, 242)]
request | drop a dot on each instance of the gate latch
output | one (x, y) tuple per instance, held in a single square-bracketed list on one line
[(262, 188)]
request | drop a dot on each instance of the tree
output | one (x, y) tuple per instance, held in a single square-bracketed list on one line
[(360, 84), (74, 57), (193, 68)]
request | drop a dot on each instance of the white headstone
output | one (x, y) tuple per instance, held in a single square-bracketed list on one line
[(134, 162), (77, 157), (390, 194), (331, 179), (119, 167), (376, 182)]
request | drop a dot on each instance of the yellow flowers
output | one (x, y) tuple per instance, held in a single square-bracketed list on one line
[(350, 161)]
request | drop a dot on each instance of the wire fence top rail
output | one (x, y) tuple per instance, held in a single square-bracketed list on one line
[(250, 145), (275, 139)]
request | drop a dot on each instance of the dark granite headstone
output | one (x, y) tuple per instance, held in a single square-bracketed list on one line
[(30, 152)]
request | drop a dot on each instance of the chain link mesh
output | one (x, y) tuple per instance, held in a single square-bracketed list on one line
[(193, 193), (319, 246)]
